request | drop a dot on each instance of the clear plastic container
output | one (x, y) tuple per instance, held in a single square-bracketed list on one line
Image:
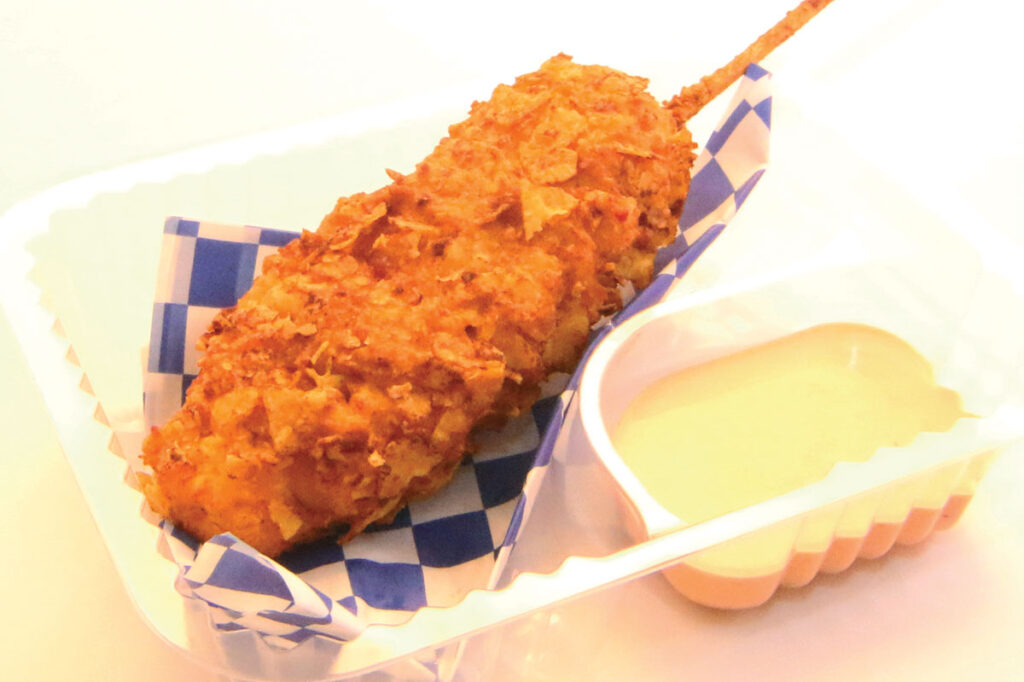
[(91, 247)]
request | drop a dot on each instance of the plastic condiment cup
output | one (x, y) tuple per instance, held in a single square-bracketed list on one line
[(904, 508)]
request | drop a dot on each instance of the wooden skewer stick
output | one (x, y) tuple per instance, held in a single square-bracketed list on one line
[(693, 97)]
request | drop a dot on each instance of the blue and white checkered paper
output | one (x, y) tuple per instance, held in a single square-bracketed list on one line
[(437, 549)]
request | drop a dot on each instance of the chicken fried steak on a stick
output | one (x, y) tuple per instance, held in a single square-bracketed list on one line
[(347, 381)]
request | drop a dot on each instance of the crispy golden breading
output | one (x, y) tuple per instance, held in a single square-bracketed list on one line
[(347, 381)]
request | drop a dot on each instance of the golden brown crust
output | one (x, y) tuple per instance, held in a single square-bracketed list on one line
[(347, 380)]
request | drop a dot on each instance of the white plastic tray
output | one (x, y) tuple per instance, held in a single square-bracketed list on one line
[(95, 240)]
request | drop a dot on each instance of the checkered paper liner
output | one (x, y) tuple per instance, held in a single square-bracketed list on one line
[(437, 549)]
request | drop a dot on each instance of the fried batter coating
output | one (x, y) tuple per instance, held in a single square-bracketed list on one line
[(347, 381)]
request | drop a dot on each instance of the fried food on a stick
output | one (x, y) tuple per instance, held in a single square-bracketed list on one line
[(347, 381)]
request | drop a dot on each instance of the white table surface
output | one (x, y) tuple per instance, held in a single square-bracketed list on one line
[(929, 88)]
